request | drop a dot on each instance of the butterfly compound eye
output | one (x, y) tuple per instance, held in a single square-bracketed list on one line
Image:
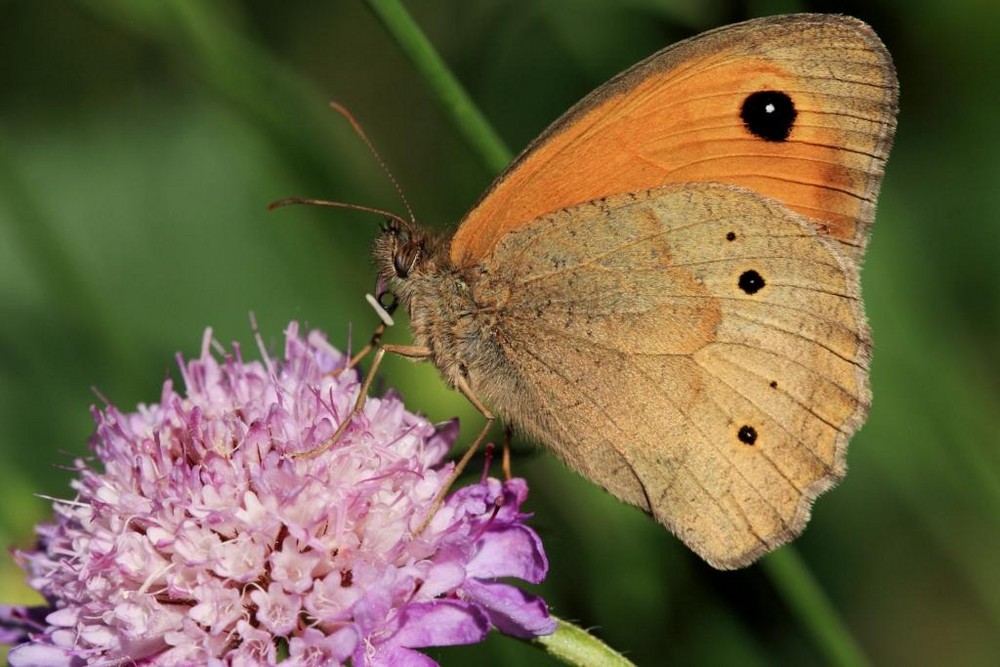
[(401, 262), (407, 254)]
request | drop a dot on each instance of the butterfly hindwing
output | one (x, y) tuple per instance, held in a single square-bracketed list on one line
[(650, 362)]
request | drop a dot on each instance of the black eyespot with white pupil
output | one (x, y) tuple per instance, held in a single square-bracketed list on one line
[(769, 115), (751, 282), (747, 434)]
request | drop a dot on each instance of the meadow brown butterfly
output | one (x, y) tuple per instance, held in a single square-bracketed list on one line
[(664, 287)]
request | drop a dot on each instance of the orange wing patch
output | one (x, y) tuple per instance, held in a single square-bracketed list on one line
[(676, 117)]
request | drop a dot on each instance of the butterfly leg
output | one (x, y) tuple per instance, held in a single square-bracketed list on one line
[(385, 314), (506, 453), (373, 342), (409, 351), (469, 453)]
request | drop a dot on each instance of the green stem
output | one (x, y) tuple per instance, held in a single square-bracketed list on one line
[(445, 87), (575, 646), (785, 568), (809, 603)]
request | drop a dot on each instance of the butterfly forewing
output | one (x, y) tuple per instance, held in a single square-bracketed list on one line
[(800, 108)]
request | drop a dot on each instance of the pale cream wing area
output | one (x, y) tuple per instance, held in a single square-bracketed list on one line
[(698, 350)]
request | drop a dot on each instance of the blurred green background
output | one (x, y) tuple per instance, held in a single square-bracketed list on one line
[(141, 141)]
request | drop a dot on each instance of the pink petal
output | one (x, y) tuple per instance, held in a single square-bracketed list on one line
[(313, 647), (441, 623), (443, 578), (510, 551), (511, 610), (398, 656), (40, 655)]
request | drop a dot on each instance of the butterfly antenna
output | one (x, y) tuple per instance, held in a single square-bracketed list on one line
[(342, 110), (291, 201)]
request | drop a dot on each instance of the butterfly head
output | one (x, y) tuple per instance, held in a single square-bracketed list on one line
[(404, 253)]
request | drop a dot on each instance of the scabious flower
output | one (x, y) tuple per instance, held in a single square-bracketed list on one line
[(206, 541)]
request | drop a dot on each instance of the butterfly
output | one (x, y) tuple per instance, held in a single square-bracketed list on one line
[(664, 287)]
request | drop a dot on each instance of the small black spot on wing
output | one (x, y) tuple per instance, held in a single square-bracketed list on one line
[(747, 434)]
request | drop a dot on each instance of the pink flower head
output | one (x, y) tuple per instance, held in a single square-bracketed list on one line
[(205, 541)]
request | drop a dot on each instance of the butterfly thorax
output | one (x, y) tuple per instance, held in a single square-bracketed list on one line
[(445, 317)]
